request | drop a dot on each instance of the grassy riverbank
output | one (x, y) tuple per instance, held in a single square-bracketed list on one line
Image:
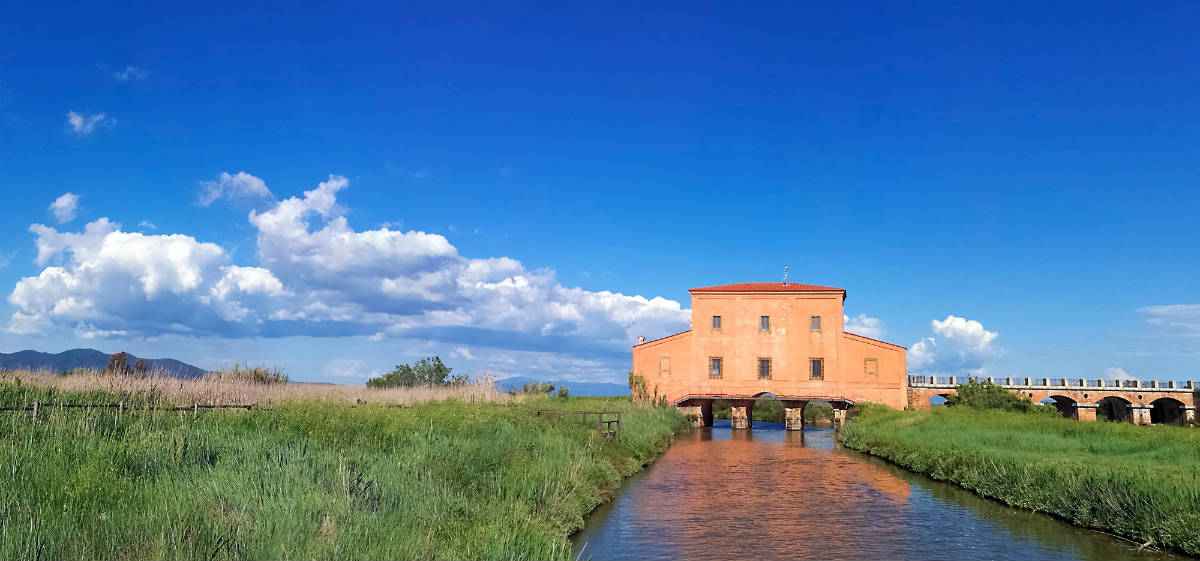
[(1142, 483), (309, 479)]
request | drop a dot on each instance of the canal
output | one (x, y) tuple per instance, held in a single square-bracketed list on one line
[(768, 493)]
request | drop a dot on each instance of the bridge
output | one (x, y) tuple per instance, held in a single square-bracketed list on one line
[(1134, 401)]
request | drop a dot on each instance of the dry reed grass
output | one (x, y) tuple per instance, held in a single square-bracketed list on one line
[(214, 390)]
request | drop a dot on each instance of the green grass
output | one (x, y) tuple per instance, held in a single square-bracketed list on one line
[(304, 480), (1139, 482)]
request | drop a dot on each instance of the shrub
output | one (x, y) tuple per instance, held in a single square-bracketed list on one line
[(428, 371), (139, 366), (638, 388), (562, 392), (537, 387), (986, 395), (252, 374)]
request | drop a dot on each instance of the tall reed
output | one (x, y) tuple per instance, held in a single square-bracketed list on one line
[(318, 478)]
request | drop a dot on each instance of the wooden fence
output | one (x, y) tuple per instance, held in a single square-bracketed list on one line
[(609, 428), (120, 406)]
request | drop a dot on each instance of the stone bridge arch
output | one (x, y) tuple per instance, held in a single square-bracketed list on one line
[(1067, 406), (1115, 408), (1167, 411)]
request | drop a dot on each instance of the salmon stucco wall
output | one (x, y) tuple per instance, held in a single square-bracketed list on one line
[(855, 368)]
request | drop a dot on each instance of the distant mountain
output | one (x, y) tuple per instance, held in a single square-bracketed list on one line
[(574, 388), (94, 360)]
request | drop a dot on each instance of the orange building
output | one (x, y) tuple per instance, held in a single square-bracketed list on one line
[(784, 339)]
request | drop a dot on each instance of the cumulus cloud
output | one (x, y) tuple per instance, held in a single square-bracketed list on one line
[(1117, 373), (241, 188), (1178, 319), (463, 353), (64, 207), (318, 276), (83, 124), (130, 73), (958, 345), (863, 325)]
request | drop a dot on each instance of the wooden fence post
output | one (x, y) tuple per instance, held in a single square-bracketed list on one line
[(195, 410), (35, 409), (120, 409)]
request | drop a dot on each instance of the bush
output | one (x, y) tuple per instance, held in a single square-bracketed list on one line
[(986, 395), (637, 387), (252, 374), (537, 388), (426, 372), (562, 392)]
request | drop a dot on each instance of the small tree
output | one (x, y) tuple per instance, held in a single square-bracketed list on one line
[(563, 392), (426, 372), (140, 367), (118, 363)]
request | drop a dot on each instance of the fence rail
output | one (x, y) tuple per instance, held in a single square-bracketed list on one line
[(609, 428), (122, 407)]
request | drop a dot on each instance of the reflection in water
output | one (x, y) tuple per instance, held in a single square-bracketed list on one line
[(770, 493)]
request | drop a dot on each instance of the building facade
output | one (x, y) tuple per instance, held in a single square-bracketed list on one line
[(783, 339)]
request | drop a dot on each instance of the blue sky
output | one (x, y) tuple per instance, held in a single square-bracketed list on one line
[(1024, 174)]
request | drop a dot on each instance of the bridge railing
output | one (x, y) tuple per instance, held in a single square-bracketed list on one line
[(943, 381)]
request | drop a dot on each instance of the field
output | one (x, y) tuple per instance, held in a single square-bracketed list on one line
[(314, 475), (1142, 483)]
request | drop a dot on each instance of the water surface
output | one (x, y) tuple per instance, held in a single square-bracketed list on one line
[(768, 493)]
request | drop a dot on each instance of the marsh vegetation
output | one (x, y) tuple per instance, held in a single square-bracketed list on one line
[(459, 472)]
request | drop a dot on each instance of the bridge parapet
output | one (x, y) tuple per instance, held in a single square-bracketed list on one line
[(950, 382)]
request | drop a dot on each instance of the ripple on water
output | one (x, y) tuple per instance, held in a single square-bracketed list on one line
[(774, 494)]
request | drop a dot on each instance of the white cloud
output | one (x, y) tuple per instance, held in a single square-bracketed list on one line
[(83, 124), (130, 73), (1175, 319), (958, 345), (148, 225), (352, 368), (64, 207), (318, 276), (863, 325), (1117, 373), (463, 353), (240, 187)]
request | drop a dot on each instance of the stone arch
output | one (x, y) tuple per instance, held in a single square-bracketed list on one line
[(1114, 408), (1166, 411), (1065, 405), (937, 400)]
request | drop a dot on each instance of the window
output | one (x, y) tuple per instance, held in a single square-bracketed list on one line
[(814, 323), (714, 367), (664, 365), (716, 322), (764, 368), (816, 369), (871, 367), (764, 323)]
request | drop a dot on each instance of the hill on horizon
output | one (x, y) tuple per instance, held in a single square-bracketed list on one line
[(92, 359)]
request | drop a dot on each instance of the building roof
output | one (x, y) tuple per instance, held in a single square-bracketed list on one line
[(688, 331), (768, 287)]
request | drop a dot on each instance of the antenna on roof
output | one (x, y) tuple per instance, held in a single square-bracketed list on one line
[(785, 270)]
